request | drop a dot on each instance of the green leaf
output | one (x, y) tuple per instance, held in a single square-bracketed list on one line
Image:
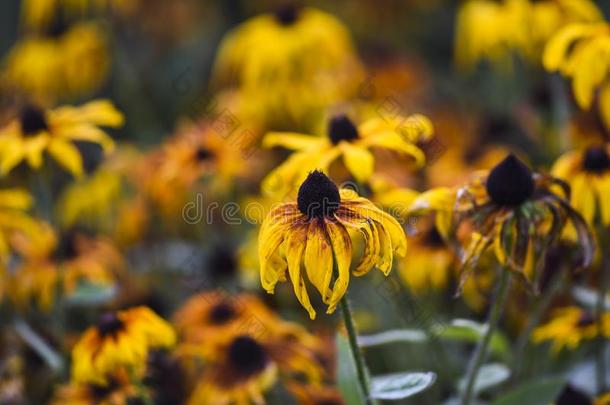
[(489, 375), (465, 330), (347, 376), (393, 336), (541, 391), (400, 385)]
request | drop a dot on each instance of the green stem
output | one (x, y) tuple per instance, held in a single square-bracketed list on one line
[(600, 357), (481, 351), (363, 373), (540, 307)]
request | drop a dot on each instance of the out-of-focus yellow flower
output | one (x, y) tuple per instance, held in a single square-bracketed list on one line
[(344, 140), (508, 209), (289, 65), (72, 64), (248, 365), (495, 31), (208, 320), (569, 327), (36, 278), (36, 130), (119, 341), (579, 51), (314, 229), (118, 390), (588, 174), (492, 31), (40, 14), (14, 204)]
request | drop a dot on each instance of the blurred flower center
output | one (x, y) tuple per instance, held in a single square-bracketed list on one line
[(433, 238), (203, 154), (596, 159), (341, 128), (586, 319), (287, 14), (222, 313), (318, 196), (222, 262), (246, 355), (510, 182), (32, 120), (109, 324)]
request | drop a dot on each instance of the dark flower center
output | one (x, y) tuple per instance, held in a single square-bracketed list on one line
[(586, 319), (433, 238), (222, 313), (247, 355), (32, 120), (203, 154), (100, 392), (571, 396), (109, 324), (287, 14), (511, 182), (318, 196), (222, 262), (596, 159), (341, 128)]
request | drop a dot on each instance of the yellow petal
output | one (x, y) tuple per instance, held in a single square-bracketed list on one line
[(602, 186), (555, 51), (66, 155), (583, 198), (292, 141), (295, 245), (358, 160), (604, 105), (319, 259), (342, 248)]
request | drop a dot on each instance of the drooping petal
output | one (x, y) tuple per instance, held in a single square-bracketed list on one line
[(292, 141), (557, 47), (342, 248), (319, 258), (358, 160), (295, 246), (66, 155)]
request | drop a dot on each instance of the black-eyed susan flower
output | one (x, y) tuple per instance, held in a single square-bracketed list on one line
[(315, 229), (72, 62), (569, 327), (347, 141), (37, 130), (247, 366), (294, 62), (209, 319), (40, 14), (516, 212), (490, 31), (588, 174), (118, 390), (578, 51), (120, 341)]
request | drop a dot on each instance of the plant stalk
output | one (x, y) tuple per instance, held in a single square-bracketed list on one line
[(481, 351)]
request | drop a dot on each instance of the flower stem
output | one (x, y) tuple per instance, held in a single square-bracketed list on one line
[(481, 351), (363, 372), (600, 357)]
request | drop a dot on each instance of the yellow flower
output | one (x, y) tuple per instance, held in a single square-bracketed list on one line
[(510, 209), (428, 265), (569, 327), (588, 174), (14, 204), (64, 65), (118, 390), (209, 319), (120, 341), (345, 140), (41, 14), (578, 51), (492, 31), (247, 366), (315, 229), (36, 130), (290, 64)]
